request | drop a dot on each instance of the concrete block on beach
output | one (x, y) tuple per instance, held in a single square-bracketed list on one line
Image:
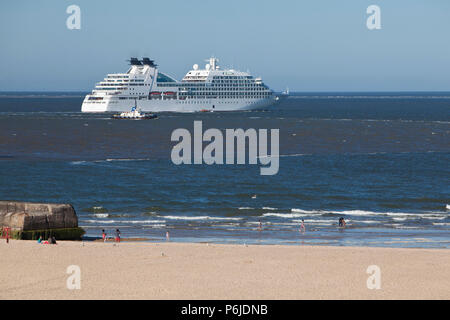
[(29, 220)]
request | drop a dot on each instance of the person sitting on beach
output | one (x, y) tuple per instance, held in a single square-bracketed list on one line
[(52, 240), (341, 222), (39, 240), (117, 235)]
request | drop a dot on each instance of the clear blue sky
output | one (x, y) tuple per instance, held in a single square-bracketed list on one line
[(308, 45)]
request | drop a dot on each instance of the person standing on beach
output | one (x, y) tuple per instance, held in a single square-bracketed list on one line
[(117, 235), (104, 235)]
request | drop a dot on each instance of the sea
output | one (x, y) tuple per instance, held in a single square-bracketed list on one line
[(379, 160)]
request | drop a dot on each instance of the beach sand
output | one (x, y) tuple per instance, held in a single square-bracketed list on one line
[(211, 271)]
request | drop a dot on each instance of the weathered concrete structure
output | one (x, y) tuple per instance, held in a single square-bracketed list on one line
[(30, 220)]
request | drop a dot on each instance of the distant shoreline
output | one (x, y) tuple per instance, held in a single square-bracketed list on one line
[(43, 94)]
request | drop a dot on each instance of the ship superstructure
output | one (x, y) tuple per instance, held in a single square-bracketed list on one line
[(211, 89)]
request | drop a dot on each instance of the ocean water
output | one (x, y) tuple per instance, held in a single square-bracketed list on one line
[(381, 161)]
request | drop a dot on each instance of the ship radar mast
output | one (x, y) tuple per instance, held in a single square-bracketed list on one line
[(213, 63)]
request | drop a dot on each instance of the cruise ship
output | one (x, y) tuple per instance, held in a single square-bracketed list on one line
[(208, 89)]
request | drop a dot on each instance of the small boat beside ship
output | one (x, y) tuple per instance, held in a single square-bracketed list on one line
[(135, 114)]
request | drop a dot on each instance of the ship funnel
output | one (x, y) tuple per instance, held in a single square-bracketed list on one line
[(135, 62), (148, 62)]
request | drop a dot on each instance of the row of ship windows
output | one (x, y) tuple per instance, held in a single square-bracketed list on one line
[(123, 84), (202, 90), (214, 88), (231, 87), (207, 84), (233, 81), (189, 98), (132, 80), (255, 96), (232, 77)]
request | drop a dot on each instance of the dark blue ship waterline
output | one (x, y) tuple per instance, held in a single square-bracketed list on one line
[(381, 161)]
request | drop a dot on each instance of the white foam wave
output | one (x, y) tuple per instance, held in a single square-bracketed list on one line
[(285, 215), (434, 217), (100, 221), (198, 218), (77, 162), (307, 211), (108, 160), (404, 215), (123, 221), (126, 159), (314, 221), (144, 221), (405, 227), (101, 215), (269, 208), (399, 219)]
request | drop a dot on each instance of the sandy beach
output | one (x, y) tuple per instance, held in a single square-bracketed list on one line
[(134, 270)]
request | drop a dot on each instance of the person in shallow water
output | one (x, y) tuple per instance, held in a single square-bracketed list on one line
[(302, 227), (341, 222)]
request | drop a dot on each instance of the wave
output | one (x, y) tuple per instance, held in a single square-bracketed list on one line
[(123, 221), (77, 162), (426, 215), (125, 159), (286, 215), (81, 162), (99, 221), (155, 225), (98, 209), (303, 211), (198, 218), (257, 209), (101, 215)]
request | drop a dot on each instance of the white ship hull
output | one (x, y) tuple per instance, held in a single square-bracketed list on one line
[(113, 105)]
